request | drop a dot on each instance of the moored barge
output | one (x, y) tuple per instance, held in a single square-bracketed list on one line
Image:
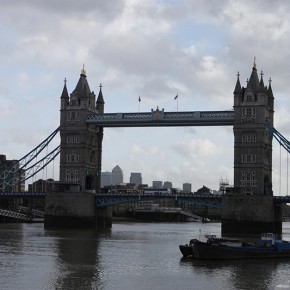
[(224, 249)]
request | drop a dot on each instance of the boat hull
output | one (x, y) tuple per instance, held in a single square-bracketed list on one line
[(221, 252), (186, 250)]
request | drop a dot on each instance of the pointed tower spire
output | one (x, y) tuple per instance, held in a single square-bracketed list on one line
[(64, 94), (254, 64), (238, 87), (83, 71), (270, 92), (254, 82), (100, 101), (262, 86), (64, 98), (82, 88)]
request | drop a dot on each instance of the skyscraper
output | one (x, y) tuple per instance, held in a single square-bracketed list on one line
[(106, 179), (117, 175), (136, 178)]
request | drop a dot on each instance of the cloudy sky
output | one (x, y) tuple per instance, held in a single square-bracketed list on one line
[(152, 48)]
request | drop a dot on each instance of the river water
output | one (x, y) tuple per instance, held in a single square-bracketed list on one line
[(128, 256)]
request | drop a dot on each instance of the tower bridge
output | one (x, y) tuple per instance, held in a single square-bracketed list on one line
[(83, 120), (250, 209)]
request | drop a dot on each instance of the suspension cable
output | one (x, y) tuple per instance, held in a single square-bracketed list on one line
[(280, 172), (287, 173)]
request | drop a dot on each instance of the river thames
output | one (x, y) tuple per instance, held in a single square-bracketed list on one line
[(128, 256)]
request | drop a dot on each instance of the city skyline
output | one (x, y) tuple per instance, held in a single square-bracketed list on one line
[(150, 51), (186, 185)]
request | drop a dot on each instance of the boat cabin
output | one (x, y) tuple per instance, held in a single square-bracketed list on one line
[(267, 240)]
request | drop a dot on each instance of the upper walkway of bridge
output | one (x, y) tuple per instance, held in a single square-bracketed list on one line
[(160, 118)]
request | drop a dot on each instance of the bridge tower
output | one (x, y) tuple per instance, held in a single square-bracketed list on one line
[(253, 106), (81, 143), (251, 208)]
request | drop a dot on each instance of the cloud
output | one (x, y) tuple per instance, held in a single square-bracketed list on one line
[(153, 49)]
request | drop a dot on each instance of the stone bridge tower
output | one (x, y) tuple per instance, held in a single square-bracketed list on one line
[(81, 143), (250, 209), (253, 106)]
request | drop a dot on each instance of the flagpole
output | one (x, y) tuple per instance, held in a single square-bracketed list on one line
[(139, 100), (176, 99)]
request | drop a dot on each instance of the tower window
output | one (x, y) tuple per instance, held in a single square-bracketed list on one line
[(72, 158), (254, 158), (76, 175), (248, 158), (73, 139)]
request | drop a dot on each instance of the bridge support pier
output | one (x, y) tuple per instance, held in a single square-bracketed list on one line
[(250, 215), (75, 210), (104, 217), (70, 210)]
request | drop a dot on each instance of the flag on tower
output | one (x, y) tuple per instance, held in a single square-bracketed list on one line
[(139, 99), (176, 97)]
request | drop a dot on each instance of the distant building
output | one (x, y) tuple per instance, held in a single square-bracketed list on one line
[(106, 179), (157, 184), (11, 178), (42, 185), (186, 187), (204, 190), (167, 185), (136, 178), (117, 175)]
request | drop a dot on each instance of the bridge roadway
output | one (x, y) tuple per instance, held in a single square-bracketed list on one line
[(160, 118), (107, 199)]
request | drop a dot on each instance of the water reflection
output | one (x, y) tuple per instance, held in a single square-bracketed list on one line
[(241, 274), (78, 261), (130, 256), (11, 237)]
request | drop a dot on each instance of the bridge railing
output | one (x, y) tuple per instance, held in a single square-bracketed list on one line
[(119, 197), (22, 194), (15, 215)]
